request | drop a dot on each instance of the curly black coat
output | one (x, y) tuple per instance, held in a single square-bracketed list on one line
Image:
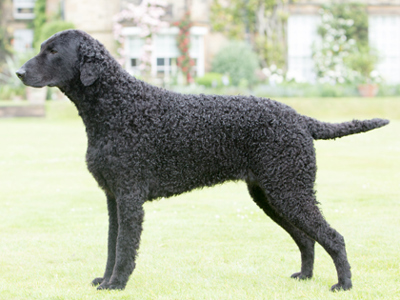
[(145, 142)]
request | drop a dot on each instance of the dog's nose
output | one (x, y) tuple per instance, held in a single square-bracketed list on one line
[(21, 73)]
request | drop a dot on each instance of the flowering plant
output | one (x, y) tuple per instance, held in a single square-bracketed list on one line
[(184, 61), (331, 50), (273, 74), (147, 16)]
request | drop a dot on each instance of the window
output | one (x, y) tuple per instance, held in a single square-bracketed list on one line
[(165, 51), (23, 9), (23, 40), (166, 66), (160, 62), (134, 47), (384, 36), (302, 32), (165, 45)]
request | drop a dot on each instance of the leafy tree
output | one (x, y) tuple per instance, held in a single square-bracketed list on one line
[(260, 22), (51, 28), (39, 20), (5, 45)]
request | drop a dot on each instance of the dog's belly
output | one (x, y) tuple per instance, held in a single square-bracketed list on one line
[(178, 171)]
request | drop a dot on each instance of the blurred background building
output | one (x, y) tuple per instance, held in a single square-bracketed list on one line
[(295, 33)]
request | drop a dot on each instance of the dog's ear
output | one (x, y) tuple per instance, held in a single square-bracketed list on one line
[(90, 72), (91, 60)]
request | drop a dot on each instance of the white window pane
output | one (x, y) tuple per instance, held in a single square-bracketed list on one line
[(23, 39), (165, 45), (135, 45), (384, 36)]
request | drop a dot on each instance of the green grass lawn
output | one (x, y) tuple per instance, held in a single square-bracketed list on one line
[(208, 244)]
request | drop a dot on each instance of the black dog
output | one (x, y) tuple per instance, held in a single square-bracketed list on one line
[(145, 143)]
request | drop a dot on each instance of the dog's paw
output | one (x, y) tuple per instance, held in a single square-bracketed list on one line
[(97, 281), (111, 286), (301, 276), (342, 286)]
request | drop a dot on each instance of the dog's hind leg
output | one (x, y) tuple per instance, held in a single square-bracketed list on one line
[(130, 219), (112, 240), (305, 244), (297, 204)]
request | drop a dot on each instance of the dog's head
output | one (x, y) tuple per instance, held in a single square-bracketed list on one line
[(65, 56)]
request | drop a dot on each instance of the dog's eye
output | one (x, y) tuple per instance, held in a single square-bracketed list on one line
[(53, 51)]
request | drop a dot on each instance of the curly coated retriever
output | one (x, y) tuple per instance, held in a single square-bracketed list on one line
[(145, 142)]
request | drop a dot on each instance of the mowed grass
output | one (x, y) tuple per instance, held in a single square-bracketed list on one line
[(212, 243)]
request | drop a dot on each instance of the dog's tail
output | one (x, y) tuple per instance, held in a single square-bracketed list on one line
[(324, 131)]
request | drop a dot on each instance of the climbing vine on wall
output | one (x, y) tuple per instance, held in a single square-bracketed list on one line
[(39, 20), (185, 63)]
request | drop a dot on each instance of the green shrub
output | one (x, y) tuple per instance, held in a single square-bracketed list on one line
[(238, 61), (210, 80), (10, 85), (364, 62)]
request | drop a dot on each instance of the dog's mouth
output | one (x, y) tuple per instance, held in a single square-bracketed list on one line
[(27, 80)]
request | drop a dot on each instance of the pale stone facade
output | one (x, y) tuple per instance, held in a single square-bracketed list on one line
[(94, 17)]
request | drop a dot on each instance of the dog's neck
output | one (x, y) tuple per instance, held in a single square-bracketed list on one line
[(96, 104)]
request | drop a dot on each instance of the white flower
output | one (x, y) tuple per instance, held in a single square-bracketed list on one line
[(329, 38), (374, 74), (327, 17), (333, 31), (266, 72), (275, 79)]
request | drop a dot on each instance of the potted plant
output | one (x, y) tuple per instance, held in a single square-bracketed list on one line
[(363, 62)]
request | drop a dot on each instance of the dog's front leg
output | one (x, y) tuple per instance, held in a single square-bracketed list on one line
[(112, 240), (130, 218)]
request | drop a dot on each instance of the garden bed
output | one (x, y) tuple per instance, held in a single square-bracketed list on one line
[(22, 110)]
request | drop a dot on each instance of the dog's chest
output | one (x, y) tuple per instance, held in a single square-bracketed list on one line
[(102, 162), (108, 159)]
